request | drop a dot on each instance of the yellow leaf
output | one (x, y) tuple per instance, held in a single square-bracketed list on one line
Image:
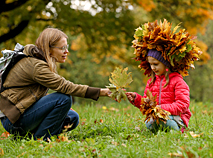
[(120, 78), (104, 107), (194, 135), (1, 152)]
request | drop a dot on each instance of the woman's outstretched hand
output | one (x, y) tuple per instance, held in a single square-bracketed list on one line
[(130, 96), (105, 92)]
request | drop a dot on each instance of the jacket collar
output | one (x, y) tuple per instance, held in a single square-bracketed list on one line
[(172, 74)]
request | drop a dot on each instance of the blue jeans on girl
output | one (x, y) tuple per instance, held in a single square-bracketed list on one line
[(170, 124), (45, 118)]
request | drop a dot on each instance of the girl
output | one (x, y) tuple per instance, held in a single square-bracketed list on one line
[(172, 93), (165, 55), (28, 109)]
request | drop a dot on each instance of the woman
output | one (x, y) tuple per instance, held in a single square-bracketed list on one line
[(28, 109)]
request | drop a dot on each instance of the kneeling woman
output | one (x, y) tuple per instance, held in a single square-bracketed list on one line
[(28, 109)]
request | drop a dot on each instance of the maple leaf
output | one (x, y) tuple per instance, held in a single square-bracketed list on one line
[(151, 110), (120, 79)]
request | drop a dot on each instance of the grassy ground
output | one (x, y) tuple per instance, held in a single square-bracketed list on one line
[(118, 130)]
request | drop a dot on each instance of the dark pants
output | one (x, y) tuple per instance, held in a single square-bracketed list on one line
[(45, 118)]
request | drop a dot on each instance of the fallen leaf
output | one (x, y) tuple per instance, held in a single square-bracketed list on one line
[(1, 152), (82, 123), (21, 154), (113, 109), (137, 128), (62, 139), (114, 143), (175, 155), (101, 121), (48, 139), (193, 134), (123, 144), (5, 135), (104, 107), (95, 121), (204, 112)]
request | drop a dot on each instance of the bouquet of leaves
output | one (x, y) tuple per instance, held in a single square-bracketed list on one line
[(151, 110), (120, 79)]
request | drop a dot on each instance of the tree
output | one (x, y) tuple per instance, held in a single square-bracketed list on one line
[(193, 14), (104, 32), (16, 16)]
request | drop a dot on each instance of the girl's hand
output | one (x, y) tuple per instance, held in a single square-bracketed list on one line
[(131, 96), (105, 92)]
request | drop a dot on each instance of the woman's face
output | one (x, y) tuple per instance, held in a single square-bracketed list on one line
[(158, 67), (60, 50)]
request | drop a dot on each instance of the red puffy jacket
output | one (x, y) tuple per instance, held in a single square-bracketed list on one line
[(173, 98)]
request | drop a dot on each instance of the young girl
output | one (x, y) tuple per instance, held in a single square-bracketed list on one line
[(160, 63)]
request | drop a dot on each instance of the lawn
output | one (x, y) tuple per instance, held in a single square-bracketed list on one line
[(118, 130)]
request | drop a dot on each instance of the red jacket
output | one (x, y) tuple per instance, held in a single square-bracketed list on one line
[(173, 98)]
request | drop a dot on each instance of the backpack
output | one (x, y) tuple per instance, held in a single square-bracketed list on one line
[(9, 59)]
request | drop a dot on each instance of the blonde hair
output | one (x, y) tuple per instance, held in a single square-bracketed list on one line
[(49, 37)]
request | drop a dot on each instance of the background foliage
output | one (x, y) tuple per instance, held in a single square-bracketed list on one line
[(100, 37)]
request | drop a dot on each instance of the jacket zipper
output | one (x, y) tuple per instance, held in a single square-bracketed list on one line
[(159, 100)]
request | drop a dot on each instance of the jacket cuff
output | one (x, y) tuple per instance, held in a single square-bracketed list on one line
[(92, 93), (137, 101)]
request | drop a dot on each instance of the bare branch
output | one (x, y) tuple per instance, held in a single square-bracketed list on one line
[(4, 7), (14, 32)]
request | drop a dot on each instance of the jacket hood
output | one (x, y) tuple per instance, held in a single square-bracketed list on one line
[(32, 50)]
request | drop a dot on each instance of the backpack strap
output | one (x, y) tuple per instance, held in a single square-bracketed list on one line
[(16, 57)]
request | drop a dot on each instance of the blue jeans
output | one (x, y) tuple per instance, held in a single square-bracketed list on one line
[(170, 124), (45, 118)]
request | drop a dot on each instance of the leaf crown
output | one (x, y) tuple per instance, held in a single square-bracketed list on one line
[(177, 47)]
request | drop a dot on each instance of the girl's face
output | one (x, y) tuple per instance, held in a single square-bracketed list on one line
[(60, 50), (158, 67)]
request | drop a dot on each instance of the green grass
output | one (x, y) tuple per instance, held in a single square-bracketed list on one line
[(118, 130)]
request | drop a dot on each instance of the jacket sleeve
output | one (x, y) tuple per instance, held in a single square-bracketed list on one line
[(182, 99), (49, 79), (137, 101)]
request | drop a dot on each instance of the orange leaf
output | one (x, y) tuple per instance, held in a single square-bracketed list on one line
[(5, 135), (101, 121), (62, 139), (151, 110)]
